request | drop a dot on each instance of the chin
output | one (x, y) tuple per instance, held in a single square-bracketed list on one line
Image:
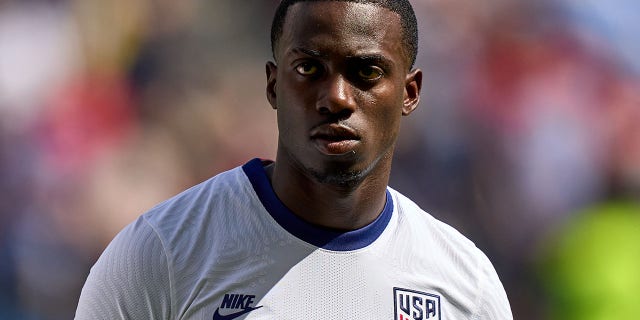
[(343, 179), (344, 171), (343, 174)]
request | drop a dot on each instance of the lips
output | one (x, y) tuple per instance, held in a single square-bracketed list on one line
[(335, 139)]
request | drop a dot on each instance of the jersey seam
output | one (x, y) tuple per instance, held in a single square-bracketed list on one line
[(170, 272)]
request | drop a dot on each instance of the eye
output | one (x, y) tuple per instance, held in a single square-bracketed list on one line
[(370, 73), (307, 69)]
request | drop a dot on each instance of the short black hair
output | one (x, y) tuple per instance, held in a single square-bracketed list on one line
[(403, 8)]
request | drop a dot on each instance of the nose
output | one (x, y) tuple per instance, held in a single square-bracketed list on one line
[(336, 96)]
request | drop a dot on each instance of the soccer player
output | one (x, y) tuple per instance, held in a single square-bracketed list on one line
[(317, 233)]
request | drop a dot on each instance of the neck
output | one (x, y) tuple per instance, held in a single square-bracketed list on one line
[(347, 206)]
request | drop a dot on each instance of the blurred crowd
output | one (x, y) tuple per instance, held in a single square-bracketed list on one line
[(527, 138)]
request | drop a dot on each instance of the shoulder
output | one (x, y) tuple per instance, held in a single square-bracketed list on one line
[(136, 272), (200, 204), (132, 271), (454, 257), (221, 186), (201, 220), (414, 218)]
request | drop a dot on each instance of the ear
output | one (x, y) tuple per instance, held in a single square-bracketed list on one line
[(272, 71), (412, 86)]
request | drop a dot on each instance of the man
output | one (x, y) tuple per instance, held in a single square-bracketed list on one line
[(317, 234)]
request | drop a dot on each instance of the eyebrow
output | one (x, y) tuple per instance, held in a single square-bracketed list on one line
[(309, 52), (372, 58), (378, 58)]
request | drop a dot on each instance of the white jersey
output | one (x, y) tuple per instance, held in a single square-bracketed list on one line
[(229, 249)]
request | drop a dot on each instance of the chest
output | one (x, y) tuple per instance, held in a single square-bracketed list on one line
[(297, 283)]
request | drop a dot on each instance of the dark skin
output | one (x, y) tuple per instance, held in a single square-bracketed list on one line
[(340, 87)]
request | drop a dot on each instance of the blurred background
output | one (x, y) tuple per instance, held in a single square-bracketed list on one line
[(527, 139)]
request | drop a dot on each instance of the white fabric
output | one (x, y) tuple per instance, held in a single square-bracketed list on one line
[(180, 259)]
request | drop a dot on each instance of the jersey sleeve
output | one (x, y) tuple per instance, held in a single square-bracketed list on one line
[(130, 280), (493, 303)]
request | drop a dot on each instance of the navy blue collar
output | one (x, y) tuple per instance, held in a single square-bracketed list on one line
[(315, 235)]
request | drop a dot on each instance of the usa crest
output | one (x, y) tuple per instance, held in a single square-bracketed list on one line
[(415, 305)]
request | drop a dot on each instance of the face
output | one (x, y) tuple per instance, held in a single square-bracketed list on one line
[(340, 87)]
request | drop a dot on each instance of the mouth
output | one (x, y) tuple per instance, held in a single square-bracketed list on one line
[(335, 140)]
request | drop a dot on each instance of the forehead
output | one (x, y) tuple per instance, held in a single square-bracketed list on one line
[(342, 26)]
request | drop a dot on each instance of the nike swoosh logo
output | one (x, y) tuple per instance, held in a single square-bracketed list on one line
[(218, 316)]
